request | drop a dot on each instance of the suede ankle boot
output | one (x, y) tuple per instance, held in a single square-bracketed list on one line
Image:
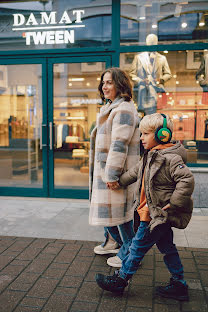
[(175, 290)]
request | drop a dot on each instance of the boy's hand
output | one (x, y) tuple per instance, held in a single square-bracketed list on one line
[(113, 185), (166, 207)]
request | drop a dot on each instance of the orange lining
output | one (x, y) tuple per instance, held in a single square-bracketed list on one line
[(143, 210)]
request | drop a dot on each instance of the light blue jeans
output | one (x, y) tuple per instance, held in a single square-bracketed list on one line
[(162, 236), (123, 235)]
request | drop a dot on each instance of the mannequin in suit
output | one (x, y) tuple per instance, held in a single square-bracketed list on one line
[(150, 70), (202, 73)]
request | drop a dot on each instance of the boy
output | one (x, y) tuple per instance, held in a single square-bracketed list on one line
[(163, 200)]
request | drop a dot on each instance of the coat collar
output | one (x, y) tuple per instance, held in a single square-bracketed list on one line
[(107, 108)]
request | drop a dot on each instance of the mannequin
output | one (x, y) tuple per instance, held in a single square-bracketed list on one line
[(202, 73), (150, 70)]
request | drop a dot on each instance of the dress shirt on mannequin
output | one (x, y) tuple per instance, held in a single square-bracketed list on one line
[(150, 70)]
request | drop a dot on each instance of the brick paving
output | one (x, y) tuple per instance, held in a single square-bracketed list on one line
[(53, 275)]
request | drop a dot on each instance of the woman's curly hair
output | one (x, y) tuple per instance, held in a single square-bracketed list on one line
[(121, 82)]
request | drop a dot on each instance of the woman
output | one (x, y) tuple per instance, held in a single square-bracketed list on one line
[(114, 149)]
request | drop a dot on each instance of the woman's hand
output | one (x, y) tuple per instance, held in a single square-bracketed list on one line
[(113, 185), (166, 207)]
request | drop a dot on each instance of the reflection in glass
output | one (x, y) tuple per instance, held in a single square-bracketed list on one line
[(171, 22), (20, 120), (76, 104)]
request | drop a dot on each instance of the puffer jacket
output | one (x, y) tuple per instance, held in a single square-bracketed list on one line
[(167, 180)]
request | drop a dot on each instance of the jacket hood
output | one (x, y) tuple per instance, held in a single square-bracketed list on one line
[(177, 149)]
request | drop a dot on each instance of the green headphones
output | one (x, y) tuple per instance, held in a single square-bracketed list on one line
[(163, 134)]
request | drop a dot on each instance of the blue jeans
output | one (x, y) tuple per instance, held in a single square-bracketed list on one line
[(162, 236), (123, 235)]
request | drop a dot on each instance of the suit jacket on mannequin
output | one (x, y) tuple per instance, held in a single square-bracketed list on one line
[(202, 73), (142, 69)]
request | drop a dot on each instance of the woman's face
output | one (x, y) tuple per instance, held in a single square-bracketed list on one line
[(108, 87)]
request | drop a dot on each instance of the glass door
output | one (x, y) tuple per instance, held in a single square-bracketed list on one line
[(23, 131), (75, 103)]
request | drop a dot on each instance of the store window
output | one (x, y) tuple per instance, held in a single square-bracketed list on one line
[(20, 125), (174, 83), (76, 105), (172, 22), (42, 24)]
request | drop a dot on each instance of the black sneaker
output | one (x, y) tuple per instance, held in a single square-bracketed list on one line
[(175, 290), (113, 283)]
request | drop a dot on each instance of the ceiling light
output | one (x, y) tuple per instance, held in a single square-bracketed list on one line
[(184, 25), (141, 12), (202, 21), (183, 21), (154, 24), (76, 79)]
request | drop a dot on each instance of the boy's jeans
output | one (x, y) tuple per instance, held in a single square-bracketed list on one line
[(162, 236), (124, 238)]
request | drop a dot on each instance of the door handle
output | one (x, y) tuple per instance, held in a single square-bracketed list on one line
[(41, 136), (51, 135)]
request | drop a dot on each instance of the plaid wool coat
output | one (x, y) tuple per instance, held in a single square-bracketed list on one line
[(114, 149)]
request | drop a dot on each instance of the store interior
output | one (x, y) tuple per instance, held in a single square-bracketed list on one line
[(76, 103)]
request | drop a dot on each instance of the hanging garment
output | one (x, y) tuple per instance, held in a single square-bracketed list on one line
[(59, 135)]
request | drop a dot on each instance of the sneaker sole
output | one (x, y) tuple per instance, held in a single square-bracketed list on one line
[(181, 298), (106, 252), (118, 265)]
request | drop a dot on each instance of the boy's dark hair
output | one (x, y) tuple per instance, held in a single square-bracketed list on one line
[(121, 81)]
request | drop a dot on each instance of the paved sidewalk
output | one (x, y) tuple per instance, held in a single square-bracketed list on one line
[(47, 262), (68, 219), (51, 275)]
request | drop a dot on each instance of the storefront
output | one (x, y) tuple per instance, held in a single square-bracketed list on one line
[(52, 53)]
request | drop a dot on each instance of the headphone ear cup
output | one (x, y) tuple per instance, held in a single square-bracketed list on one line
[(163, 135)]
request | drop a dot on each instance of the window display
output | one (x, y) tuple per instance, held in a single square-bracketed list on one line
[(168, 84)]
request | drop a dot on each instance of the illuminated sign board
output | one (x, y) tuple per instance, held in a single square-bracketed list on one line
[(47, 29)]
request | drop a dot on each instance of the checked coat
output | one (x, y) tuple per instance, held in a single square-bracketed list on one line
[(114, 149)]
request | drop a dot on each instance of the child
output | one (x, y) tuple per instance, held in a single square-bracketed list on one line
[(163, 200)]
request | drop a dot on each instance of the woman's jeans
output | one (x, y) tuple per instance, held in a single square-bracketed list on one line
[(123, 235), (162, 236)]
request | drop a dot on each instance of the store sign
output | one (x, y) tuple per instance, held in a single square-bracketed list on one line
[(80, 101), (47, 29)]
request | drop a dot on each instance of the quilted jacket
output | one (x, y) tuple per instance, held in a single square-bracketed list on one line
[(166, 180)]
